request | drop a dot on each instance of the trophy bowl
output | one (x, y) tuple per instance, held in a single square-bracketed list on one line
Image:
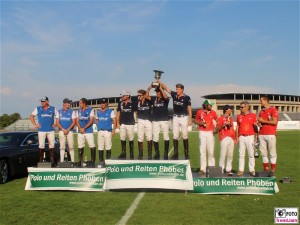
[(157, 76)]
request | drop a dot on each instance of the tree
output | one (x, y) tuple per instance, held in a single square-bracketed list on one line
[(6, 119)]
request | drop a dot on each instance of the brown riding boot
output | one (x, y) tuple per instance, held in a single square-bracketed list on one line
[(41, 154)]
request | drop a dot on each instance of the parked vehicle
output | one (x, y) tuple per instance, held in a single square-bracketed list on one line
[(19, 150)]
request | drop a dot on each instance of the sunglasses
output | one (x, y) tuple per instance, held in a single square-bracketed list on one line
[(140, 95), (241, 107)]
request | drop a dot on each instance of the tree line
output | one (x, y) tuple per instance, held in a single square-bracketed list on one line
[(6, 119)]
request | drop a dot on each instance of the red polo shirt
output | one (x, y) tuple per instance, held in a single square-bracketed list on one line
[(267, 114), (208, 116), (226, 131), (246, 123)]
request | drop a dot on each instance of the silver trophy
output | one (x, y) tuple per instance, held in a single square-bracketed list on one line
[(157, 76)]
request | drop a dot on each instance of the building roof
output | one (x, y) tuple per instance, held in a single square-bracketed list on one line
[(249, 96)]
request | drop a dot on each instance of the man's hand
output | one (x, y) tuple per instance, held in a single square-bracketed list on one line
[(82, 130)]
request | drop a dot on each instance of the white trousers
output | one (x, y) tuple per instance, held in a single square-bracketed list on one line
[(226, 153), (126, 130), (246, 142), (207, 142), (89, 137), (62, 143), (268, 148), (104, 140), (158, 126), (144, 127), (180, 123), (42, 139)]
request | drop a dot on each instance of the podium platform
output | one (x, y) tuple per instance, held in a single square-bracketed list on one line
[(168, 175)]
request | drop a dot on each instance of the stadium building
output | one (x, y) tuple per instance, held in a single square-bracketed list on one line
[(288, 106)]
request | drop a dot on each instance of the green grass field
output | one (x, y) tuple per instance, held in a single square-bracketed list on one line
[(65, 207)]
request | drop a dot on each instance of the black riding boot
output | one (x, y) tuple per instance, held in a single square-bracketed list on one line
[(93, 155), (131, 149), (41, 152), (123, 153), (166, 151), (140, 146), (175, 155), (156, 149), (101, 158), (80, 155), (186, 148), (51, 150), (149, 149), (108, 154)]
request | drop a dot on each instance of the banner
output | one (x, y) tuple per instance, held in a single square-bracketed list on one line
[(76, 179), (171, 174), (236, 185)]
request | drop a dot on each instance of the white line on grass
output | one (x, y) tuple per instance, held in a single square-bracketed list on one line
[(131, 209), (137, 200)]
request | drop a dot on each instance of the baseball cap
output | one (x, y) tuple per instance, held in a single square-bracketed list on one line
[(227, 107), (125, 92), (44, 98), (208, 102), (66, 100), (103, 100)]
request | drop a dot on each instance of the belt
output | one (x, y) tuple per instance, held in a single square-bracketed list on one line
[(179, 115), (105, 130), (246, 135)]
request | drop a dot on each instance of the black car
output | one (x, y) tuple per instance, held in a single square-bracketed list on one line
[(19, 150)]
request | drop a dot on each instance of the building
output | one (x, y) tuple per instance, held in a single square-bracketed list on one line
[(285, 104)]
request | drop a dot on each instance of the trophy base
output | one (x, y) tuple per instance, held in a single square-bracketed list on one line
[(155, 84)]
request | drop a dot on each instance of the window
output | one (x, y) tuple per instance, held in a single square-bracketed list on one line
[(34, 138)]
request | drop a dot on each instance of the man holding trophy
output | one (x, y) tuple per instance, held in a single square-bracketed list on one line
[(182, 117), (160, 117), (144, 125)]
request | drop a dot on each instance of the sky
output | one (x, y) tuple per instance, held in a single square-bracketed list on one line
[(96, 49)]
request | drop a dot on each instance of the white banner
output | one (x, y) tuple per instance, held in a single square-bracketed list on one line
[(288, 125), (73, 179), (159, 174)]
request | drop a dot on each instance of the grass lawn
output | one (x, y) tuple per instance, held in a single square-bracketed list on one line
[(65, 207)]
